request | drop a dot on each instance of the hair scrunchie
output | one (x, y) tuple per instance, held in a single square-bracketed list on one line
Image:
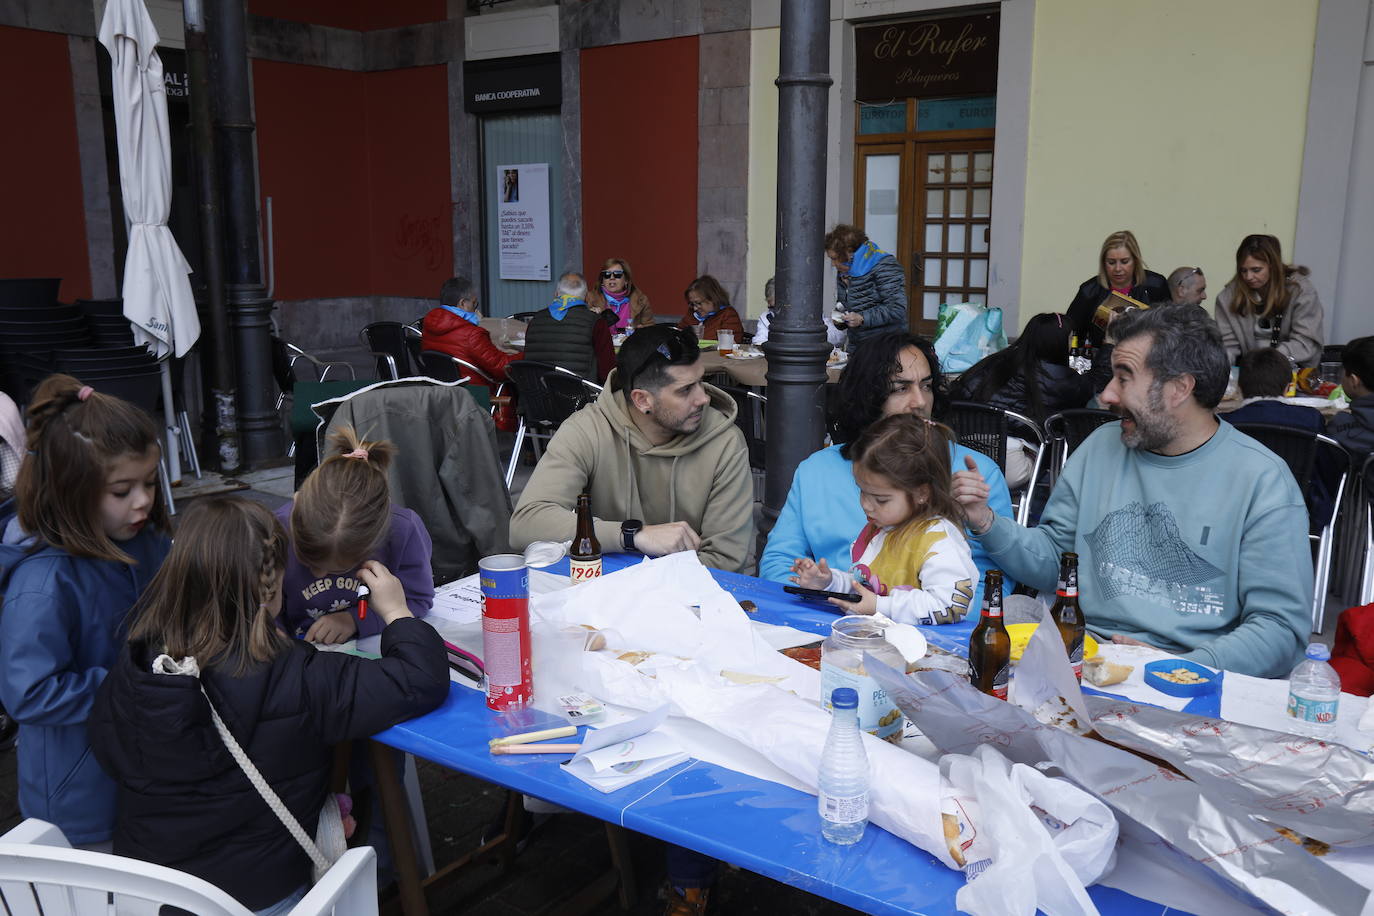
[(84, 392), (357, 453)]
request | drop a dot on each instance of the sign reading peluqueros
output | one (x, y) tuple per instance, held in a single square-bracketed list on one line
[(927, 59)]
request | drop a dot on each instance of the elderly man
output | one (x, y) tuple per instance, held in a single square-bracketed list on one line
[(569, 334), (890, 374), (1191, 536), (1187, 286), (659, 444)]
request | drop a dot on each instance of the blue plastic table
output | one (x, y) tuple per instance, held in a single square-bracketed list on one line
[(753, 823)]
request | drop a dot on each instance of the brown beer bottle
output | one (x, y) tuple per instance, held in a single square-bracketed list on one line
[(584, 556), (1066, 613), (989, 645)]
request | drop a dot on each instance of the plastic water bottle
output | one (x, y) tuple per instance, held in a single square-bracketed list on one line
[(1314, 692), (843, 795)]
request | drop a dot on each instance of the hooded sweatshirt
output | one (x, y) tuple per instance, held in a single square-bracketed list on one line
[(184, 802), (702, 478), (62, 621)]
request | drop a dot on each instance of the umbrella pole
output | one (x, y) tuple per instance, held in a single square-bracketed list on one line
[(169, 411)]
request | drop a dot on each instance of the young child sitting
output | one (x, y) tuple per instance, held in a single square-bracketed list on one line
[(208, 622), (342, 516), (83, 536), (911, 561)]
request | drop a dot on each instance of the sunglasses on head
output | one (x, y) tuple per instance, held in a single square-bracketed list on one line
[(676, 349), (612, 274)]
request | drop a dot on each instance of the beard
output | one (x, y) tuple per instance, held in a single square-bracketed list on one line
[(1150, 431)]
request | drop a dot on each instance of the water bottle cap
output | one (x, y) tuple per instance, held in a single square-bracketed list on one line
[(845, 698), (1318, 651)]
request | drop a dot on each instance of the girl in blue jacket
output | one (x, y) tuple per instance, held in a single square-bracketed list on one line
[(84, 534)]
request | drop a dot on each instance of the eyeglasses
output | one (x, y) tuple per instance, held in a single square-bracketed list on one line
[(612, 274)]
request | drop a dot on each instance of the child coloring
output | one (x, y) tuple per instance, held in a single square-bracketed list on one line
[(341, 517), (911, 561), (208, 620), (83, 536)]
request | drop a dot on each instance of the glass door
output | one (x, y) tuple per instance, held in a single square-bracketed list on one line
[(517, 139)]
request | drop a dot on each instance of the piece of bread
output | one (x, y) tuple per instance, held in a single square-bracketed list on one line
[(1101, 673)]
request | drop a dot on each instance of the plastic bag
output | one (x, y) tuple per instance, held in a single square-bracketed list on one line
[(966, 333)]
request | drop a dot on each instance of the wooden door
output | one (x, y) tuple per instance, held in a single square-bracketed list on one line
[(951, 215)]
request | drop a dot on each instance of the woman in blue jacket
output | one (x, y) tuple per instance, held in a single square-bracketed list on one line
[(83, 536), (869, 284)]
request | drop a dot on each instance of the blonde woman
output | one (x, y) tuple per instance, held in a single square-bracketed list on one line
[(617, 292), (1120, 268), (1270, 304)]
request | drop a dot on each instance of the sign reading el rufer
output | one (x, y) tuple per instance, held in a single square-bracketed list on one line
[(522, 195), (939, 57)]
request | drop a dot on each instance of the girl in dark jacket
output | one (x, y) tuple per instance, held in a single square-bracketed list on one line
[(182, 800), (1031, 377), (1119, 269)]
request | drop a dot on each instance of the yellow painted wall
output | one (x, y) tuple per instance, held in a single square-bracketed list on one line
[(1182, 120), (763, 167)]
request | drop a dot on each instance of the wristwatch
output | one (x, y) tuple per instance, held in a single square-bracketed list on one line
[(628, 529)]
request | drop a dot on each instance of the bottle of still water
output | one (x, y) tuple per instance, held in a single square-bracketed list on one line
[(1314, 693), (843, 784)]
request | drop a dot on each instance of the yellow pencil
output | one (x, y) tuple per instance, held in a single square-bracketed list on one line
[(565, 731)]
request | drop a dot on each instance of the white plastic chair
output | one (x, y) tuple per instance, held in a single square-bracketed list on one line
[(41, 875)]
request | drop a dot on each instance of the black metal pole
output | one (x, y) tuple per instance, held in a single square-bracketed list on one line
[(219, 348), (797, 346), (250, 310)]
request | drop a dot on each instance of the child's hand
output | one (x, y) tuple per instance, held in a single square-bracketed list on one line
[(388, 597), (867, 603), (331, 629), (809, 574)]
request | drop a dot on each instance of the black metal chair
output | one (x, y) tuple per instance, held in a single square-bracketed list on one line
[(749, 417), (569, 391), (1321, 467), (386, 341), (29, 290), (1066, 430), (985, 429), (444, 367), (285, 357), (539, 412)]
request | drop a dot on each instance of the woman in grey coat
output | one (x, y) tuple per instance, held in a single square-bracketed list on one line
[(1270, 304), (871, 285)]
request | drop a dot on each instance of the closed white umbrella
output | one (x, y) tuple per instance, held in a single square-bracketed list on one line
[(157, 290)]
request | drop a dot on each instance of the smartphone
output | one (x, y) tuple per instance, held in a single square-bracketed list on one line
[(818, 594)]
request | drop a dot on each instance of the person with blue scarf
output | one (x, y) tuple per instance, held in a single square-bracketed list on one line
[(709, 306), (454, 327), (571, 335), (870, 284)]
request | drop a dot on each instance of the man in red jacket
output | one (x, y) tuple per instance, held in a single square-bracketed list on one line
[(454, 328)]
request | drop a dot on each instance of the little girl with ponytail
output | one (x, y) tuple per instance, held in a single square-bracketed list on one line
[(342, 516), (84, 534)]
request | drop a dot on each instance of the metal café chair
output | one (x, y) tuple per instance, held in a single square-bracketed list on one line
[(1065, 432), (985, 428), (1313, 459), (285, 356), (386, 341), (749, 417), (540, 414)]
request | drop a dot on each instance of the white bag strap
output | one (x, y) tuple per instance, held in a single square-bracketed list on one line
[(165, 664)]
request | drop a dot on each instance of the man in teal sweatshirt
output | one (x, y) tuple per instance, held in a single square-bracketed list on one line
[(1191, 536)]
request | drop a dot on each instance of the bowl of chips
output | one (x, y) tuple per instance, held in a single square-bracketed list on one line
[(1179, 678)]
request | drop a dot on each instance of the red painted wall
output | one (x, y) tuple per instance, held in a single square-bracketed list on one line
[(639, 164), (42, 215), (357, 168), (359, 15)]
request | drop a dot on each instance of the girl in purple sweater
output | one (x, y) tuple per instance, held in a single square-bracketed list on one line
[(342, 517)]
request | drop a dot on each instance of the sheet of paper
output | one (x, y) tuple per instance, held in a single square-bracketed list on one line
[(780, 637), (1263, 702), (620, 754), (649, 746)]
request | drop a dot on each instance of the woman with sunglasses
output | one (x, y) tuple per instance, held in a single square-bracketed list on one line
[(1270, 304), (709, 306), (1120, 269), (619, 294)]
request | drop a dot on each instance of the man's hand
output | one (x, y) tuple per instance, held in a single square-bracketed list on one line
[(388, 595), (331, 629), (1118, 639), (808, 573), (853, 319), (660, 540), (971, 491), (867, 603)]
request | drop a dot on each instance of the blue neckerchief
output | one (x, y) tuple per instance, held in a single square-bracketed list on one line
[(466, 316), (864, 259), (558, 308)]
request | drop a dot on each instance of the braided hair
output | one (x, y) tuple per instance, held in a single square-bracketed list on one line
[(217, 595)]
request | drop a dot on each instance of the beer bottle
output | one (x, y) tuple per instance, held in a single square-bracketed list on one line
[(989, 645), (1075, 355), (1089, 353), (1067, 615), (584, 556)]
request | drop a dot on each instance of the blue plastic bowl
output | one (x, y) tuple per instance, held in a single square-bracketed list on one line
[(1154, 669)]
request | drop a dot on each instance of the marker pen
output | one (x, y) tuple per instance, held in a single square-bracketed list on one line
[(363, 592)]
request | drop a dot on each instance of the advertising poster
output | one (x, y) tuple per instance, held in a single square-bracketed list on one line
[(522, 201)]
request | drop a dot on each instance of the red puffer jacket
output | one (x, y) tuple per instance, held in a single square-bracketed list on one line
[(456, 336), (1353, 653)]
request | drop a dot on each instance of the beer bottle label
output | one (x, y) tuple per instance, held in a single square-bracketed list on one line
[(1000, 681), (582, 570)]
